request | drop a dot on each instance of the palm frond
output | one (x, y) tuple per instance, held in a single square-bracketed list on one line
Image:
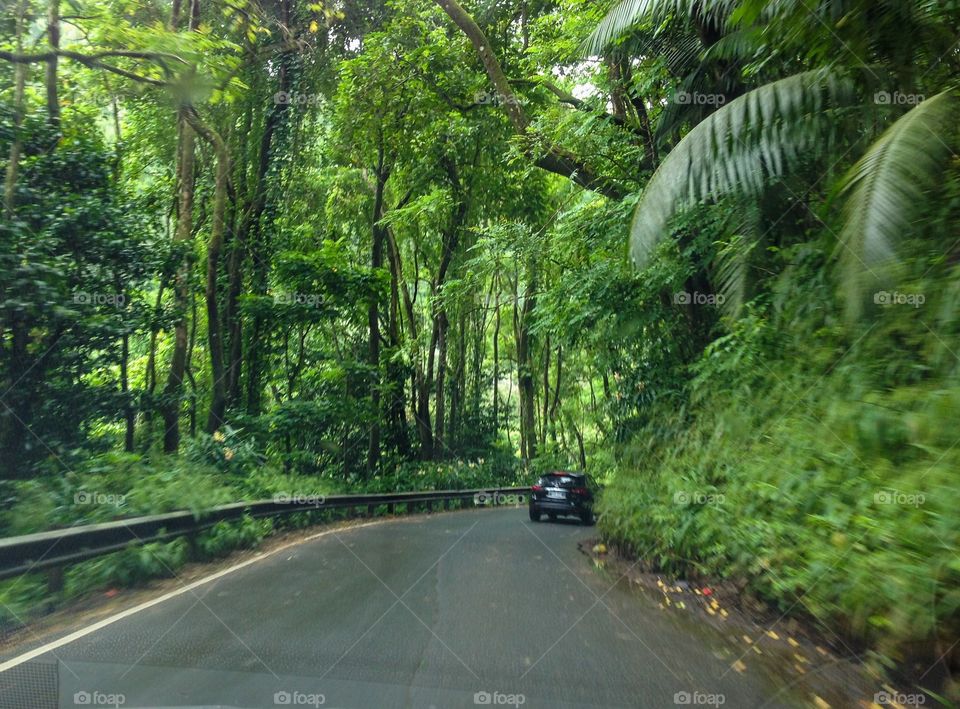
[(737, 148), (886, 188), (731, 264), (628, 13), (677, 115)]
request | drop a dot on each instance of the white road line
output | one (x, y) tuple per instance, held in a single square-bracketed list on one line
[(76, 635)]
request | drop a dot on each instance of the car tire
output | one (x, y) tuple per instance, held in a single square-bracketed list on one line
[(587, 518), (534, 514)]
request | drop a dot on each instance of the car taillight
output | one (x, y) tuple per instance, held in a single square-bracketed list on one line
[(537, 488), (580, 490)]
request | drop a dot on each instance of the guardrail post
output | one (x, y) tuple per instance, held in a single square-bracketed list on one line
[(191, 540), (55, 579), (392, 508), (429, 506), (446, 503), (370, 510)]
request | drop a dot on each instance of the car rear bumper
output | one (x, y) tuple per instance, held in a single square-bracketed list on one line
[(558, 506)]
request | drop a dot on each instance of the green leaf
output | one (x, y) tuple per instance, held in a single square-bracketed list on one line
[(886, 188)]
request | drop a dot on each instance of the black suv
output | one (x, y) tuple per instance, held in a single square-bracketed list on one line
[(563, 493)]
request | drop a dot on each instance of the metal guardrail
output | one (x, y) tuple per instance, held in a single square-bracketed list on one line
[(57, 548)]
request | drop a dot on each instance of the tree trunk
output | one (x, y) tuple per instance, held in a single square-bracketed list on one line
[(128, 412), (373, 312), (258, 247), (525, 386), (421, 389), (546, 391), (555, 406), (173, 390), (16, 145), (250, 225), (396, 416), (218, 402), (188, 366), (457, 394), (443, 325), (53, 38), (14, 416), (150, 375), (496, 364), (440, 323)]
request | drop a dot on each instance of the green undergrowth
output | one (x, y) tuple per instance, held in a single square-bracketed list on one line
[(820, 473)]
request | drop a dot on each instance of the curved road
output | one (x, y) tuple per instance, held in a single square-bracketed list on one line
[(460, 609)]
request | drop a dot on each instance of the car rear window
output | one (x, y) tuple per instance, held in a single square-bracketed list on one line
[(562, 480)]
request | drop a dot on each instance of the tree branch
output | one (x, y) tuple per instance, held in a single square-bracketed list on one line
[(93, 61), (556, 160)]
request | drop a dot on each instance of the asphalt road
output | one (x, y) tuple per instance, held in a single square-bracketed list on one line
[(460, 609)]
